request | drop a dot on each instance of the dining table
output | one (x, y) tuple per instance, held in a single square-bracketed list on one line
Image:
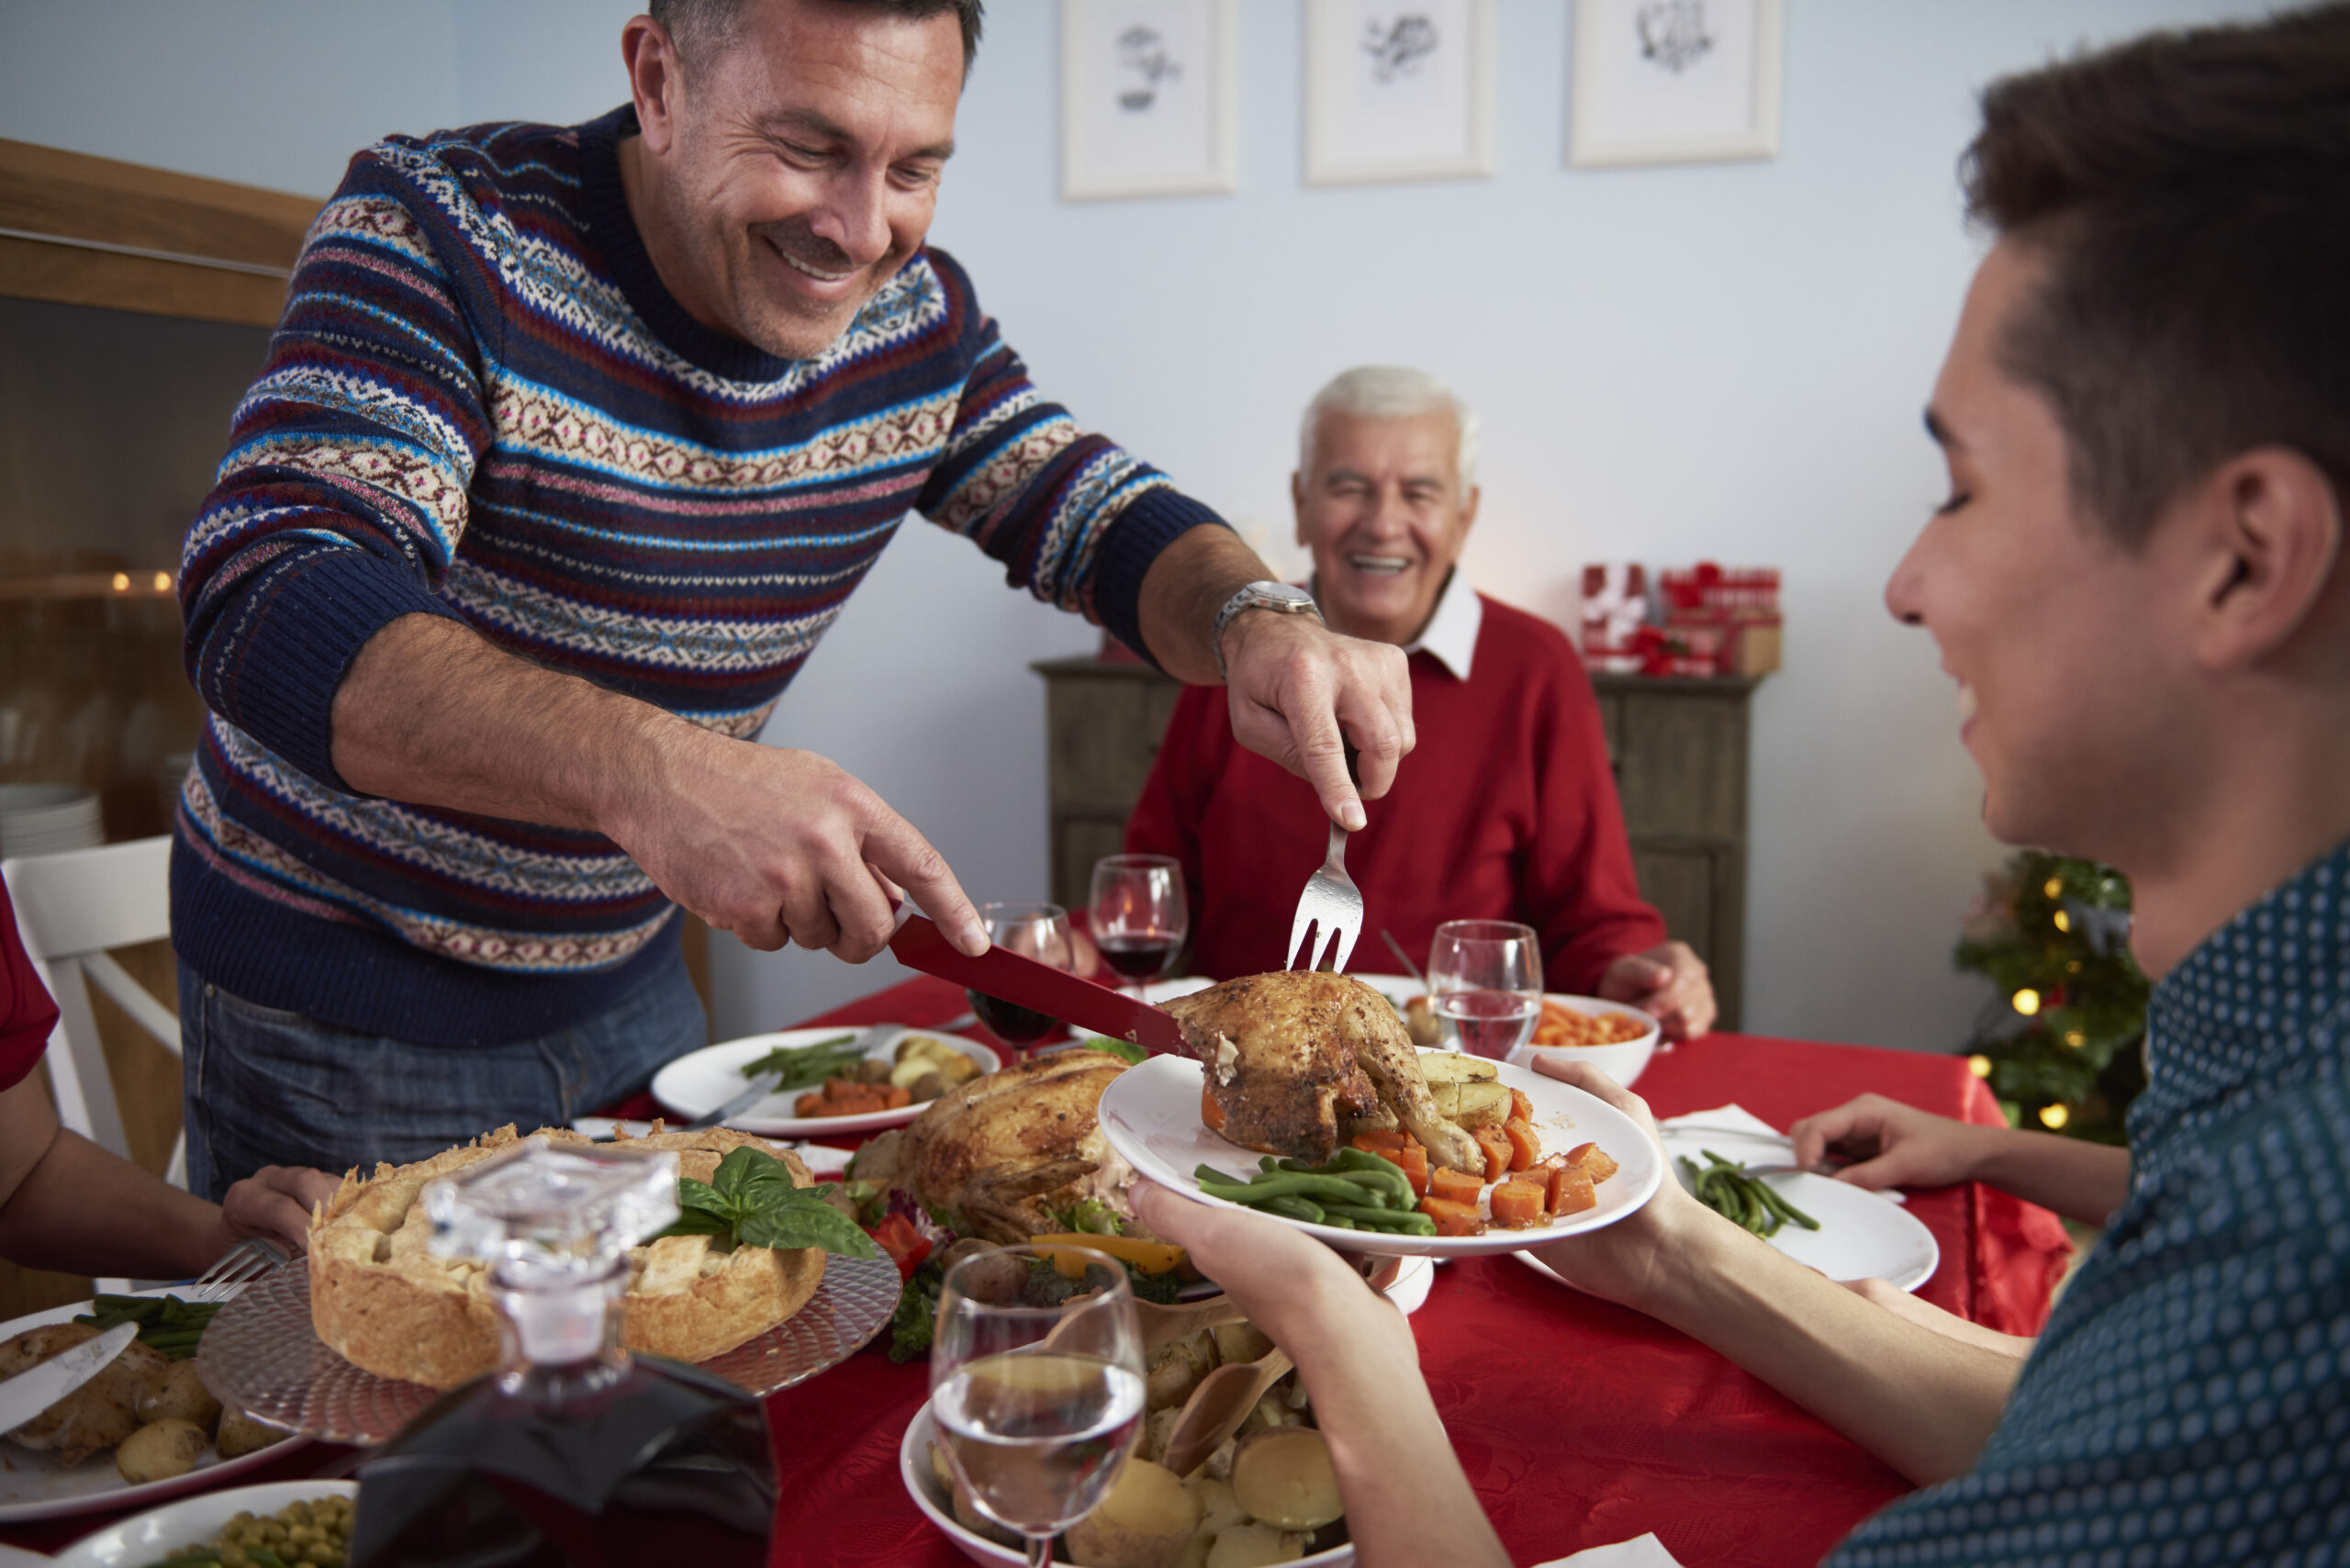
[(1579, 1423)]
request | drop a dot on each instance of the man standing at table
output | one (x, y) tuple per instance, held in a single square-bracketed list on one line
[(2141, 582), (571, 444), (1511, 815)]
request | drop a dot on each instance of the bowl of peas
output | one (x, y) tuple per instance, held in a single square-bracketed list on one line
[(286, 1524)]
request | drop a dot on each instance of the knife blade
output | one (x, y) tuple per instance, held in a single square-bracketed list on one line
[(1009, 977), (29, 1393)]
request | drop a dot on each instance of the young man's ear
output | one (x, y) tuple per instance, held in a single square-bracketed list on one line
[(2273, 538)]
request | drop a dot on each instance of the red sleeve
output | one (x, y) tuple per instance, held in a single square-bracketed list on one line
[(1578, 886), (27, 1013)]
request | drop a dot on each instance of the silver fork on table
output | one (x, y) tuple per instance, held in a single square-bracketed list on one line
[(237, 1267), (1331, 906)]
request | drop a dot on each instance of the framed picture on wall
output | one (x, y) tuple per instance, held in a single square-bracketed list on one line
[(1399, 90), (1151, 98), (1674, 82)]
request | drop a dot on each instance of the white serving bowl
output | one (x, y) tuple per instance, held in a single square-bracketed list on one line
[(914, 1469), (1622, 1062), (145, 1538)]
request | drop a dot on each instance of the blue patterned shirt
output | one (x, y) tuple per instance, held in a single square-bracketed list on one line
[(2190, 1402)]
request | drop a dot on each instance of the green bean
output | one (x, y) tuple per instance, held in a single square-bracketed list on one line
[(1370, 1169), (1412, 1224), (1305, 1209), (1786, 1211)]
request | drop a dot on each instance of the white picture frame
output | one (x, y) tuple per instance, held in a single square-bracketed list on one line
[(1151, 98), (1400, 90), (1674, 82)]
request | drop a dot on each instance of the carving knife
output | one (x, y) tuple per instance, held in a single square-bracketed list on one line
[(29, 1393), (1009, 977)]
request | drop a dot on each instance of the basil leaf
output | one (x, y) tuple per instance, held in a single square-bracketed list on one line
[(702, 1197), (752, 1178), (802, 1219), (697, 1222)]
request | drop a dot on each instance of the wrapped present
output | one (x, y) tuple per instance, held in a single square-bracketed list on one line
[(1614, 609), (1729, 616)]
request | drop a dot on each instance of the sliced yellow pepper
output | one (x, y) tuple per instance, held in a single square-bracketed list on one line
[(1150, 1257)]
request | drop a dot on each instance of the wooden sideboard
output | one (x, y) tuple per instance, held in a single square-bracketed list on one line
[(1679, 748)]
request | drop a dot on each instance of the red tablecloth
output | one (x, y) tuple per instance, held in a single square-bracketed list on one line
[(1579, 1423)]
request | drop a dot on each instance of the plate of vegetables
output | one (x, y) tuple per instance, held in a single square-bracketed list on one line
[(1558, 1161), (282, 1520), (833, 1081)]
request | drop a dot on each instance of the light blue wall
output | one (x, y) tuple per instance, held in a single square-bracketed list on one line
[(1720, 361)]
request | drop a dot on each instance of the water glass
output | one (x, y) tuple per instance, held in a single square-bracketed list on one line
[(1036, 1385), (1138, 914), (1485, 985)]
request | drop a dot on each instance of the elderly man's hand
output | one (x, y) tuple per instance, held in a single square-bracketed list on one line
[(1299, 692), (1668, 983)]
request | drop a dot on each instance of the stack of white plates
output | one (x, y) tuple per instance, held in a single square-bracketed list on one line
[(45, 819)]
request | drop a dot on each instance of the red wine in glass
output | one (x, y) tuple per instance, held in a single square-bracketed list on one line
[(1140, 957), (1011, 1023)]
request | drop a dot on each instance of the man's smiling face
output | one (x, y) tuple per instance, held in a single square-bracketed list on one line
[(1385, 513), (794, 166)]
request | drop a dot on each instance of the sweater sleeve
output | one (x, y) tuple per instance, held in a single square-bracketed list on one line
[(1075, 519), (1577, 887), (344, 492)]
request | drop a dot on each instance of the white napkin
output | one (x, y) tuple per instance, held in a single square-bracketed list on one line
[(1736, 1133), (1641, 1551)]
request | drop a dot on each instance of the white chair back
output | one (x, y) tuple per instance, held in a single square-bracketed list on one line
[(70, 908)]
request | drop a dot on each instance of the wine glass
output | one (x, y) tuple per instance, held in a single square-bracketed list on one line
[(1038, 930), (1036, 1385), (1485, 984), (1138, 914)]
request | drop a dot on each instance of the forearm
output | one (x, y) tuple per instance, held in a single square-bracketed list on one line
[(1922, 1402), (2086, 1182), (433, 714), (1187, 584), (1408, 1499), (82, 1211)]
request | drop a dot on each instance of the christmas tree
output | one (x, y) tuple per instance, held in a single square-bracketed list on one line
[(2060, 1044)]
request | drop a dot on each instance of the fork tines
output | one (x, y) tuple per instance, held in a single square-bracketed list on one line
[(237, 1267)]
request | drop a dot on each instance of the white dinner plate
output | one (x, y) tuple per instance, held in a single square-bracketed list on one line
[(33, 1485), (1151, 1116), (699, 1082), (1862, 1235), (145, 1538)]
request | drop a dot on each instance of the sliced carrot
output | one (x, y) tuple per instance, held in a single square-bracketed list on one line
[(1499, 1152), (1526, 1145), (1451, 1218), (1520, 1107), (1210, 1114), (809, 1104), (1571, 1191), (1379, 1140), (898, 1098), (1414, 1162), (845, 1089), (1454, 1186), (1594, 1159), (1518, 1205)]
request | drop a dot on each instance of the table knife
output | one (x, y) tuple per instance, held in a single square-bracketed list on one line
[(1009, 977), (28, 1393)]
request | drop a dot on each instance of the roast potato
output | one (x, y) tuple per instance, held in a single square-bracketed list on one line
[(160, 1450), (240, 1434), (1255, 1546), (1456, 1066), (1147, 1521), (1283, 1477), (177, 1393)]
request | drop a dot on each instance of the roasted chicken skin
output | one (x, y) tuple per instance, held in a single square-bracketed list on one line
[(1296, 1058), (100, 1413), (999, 1151)]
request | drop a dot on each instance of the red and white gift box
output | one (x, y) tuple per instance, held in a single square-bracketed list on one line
[(1728, 615), (1614, 609)]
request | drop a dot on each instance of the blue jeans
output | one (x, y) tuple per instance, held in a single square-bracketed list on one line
[(268, 1087)]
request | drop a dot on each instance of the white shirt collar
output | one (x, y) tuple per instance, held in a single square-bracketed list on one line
[(1450, 635)]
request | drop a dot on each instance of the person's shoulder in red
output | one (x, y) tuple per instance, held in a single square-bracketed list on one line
[(27, 1012), (1525, 644)]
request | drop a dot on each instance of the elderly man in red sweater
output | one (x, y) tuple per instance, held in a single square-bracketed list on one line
[(1507, 811)]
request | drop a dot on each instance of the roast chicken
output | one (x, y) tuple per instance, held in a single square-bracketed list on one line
[(1000, 1151), (100, 1413), (1299, 1060)]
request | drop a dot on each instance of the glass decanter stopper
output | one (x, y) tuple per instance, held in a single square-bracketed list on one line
[(574, 1450)]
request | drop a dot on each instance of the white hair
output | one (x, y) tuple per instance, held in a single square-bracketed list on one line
[(1389, 392)]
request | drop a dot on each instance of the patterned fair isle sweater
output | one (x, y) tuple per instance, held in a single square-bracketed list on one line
[(481, 403)]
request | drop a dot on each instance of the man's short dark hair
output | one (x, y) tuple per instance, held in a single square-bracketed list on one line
[(701, 25), (2189, 193)]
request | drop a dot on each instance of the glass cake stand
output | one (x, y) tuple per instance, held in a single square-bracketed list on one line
[(261, 1354)]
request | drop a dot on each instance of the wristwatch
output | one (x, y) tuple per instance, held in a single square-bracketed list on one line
[(1280, 598)]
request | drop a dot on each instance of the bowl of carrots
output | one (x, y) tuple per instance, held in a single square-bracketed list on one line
[(1617, 1039)]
